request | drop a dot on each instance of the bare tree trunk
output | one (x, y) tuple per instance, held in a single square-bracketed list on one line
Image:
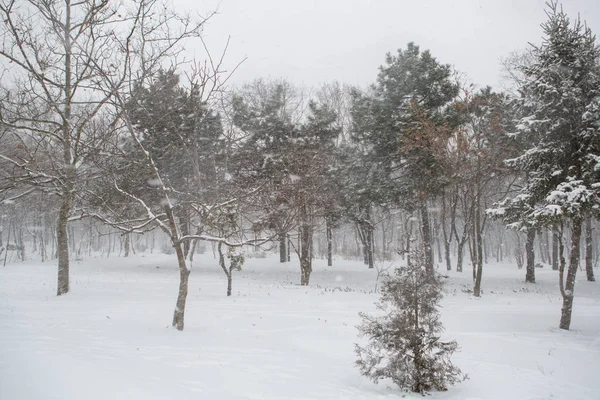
[(62, 235), (530, 255), (588, 250), (228, 271), (460, 245), (447, 238), (473, 252), (184, 273), (329, 243), (305, 244), (126, 245), (282, 247), (184, 222), (569, 292), (478, 248), (62, 243), (555, 247), (364, 230), (42, 244), (460, 251), (370, 246)]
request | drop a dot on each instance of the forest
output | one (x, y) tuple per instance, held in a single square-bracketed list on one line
[(113, 144)]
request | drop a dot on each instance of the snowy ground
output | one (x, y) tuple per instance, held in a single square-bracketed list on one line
[(110, 337)]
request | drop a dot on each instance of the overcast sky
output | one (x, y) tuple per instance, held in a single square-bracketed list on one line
[(311, 42)]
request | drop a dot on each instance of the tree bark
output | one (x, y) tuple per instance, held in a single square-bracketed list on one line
[(555, 247), (62, 233), (569, 291), (447, 238), (184, 273), (370, 248), (62, 243), (478, 249), (588, 250), (426, 239), (329, 244), (364, 229), (127, 245), (305, 242), (460, 251), (228, 271), (282, 247), (184, 222), (530, 255)]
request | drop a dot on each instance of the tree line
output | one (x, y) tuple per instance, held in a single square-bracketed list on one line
[(107, 128)]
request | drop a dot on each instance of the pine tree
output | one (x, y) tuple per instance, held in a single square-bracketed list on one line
[(404, 343), (560, 98), (289, 152), (404, 120)]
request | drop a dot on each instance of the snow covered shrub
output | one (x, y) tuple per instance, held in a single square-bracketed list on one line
[(404, 343), (236, 258)]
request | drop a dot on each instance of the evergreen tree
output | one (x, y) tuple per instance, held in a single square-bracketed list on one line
[(268, 114), (560, 100), (289, 151), (404, 343), (405, 121)]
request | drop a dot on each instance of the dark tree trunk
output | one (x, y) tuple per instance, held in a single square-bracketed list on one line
[(364, 229), (447, 256), (472, 251), (305, 244), (184, 273), (460, 245), (447, 238), (569, 288), (555, 247), (282, 247), (62, 242), (478, 249), (370, 248), (184, 222), (229, 281), (588, 250), (228, 271), (329, 244), (427, 239), (530, 255), (460, 251)]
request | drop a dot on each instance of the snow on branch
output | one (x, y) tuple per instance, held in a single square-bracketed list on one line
[(210, 238)]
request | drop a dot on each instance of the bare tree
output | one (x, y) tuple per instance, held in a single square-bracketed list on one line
[(65, 62), (178, 195)]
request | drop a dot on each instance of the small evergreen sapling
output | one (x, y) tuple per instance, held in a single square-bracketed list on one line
[(404, 343)]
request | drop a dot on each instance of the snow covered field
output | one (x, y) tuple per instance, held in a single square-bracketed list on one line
[(110, 337)]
